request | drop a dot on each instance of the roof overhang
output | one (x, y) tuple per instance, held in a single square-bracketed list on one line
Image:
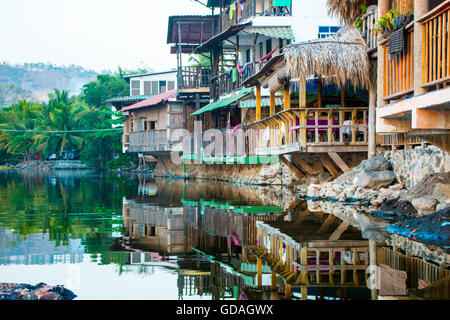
[(216, 40), (155, 100), (224, 102), (266, 71), (194, 30)]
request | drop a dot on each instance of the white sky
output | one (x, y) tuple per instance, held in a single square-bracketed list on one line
[(98, 34)]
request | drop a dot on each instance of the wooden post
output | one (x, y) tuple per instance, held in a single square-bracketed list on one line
[(319, 92), (272, 104), (259, 272), (258, 102), (287, 96), (273, 283), (288, 292)]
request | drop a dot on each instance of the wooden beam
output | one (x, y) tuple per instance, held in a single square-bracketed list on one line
[(339, 231), (326, 224), (291, 166), (328, 164), (303, 165), (339, 161), (272, 104), (258, 102), (287, 96)]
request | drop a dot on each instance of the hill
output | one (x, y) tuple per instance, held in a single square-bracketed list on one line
[(35, 80)]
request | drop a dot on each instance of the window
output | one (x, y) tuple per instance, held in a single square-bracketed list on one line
[(155, 89), (147, 87), (152, 125), (248, 55), (162, 86), (135, 87), (261, 50), (170, 85), (268, 46), (281, 44)]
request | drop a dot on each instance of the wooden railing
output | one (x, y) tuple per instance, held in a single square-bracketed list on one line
[(148, 141), (252, 8), (223, 84), (436, 46), (368, 29), (194, 77), (316, 262), (399, 70), (310, 126), (395, 140)]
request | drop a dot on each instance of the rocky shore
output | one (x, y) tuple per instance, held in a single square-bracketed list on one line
[(52, 165), (400, 197), (41, 291)]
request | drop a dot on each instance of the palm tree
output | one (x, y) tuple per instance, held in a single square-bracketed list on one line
[(16, 122), (59, 117)]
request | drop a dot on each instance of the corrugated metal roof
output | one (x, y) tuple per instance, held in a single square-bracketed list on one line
[(265, 102), (131, 98), (224, 102), (274, 32), (153, 100)]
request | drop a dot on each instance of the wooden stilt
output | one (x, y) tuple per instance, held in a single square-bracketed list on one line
[(328, 164), (339, 161)]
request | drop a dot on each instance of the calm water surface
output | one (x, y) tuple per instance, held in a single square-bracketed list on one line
[(130, 237), (105, 236)]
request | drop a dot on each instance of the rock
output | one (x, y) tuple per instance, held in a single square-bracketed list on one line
[(397, 186), (49, 296), (441, 206), (442, 193), (377, 163), (376, 179), (424, 205)]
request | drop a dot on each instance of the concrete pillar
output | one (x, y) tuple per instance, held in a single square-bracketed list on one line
[(420, 8), (373, 262), (383, 8), (372, 116)]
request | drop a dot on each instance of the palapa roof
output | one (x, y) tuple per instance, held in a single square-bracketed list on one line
[(339, 58), (347, 10)]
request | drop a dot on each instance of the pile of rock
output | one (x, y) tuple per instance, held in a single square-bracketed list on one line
[(41, 291)]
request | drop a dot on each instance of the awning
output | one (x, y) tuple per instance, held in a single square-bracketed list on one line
[(274, 32), (265, 102), (153, 100), (194, 30), (217, 39), (224, 102)]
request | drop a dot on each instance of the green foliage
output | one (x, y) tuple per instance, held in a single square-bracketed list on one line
[(200, 60), (359, 21), (123, 160), (386, 22), (105, 87)]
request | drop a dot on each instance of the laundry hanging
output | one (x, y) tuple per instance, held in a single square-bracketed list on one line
[(231, 11)]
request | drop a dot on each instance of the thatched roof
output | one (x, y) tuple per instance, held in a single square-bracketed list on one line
[(339, 58), (347, 10)]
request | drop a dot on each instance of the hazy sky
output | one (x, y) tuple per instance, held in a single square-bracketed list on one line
[(96, 34)]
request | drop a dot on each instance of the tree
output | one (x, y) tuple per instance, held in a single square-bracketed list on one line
[(60, 116), (105, 87), (17, 121)]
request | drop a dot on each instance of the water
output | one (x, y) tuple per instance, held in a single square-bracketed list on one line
[(130, 237)]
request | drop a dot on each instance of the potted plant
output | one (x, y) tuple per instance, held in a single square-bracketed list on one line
[(385, 24)]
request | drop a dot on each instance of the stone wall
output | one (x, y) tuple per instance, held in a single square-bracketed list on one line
[(413, 165), (257, 174)]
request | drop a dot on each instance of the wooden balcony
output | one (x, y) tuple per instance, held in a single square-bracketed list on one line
[(253, 8), (436, 46), (368, 29), (310, 130), (194, 77), (399, 70), (149, 141)]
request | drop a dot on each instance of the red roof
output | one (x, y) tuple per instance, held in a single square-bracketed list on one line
[(153, 100)]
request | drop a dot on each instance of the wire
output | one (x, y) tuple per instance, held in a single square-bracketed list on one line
[(66, 131)]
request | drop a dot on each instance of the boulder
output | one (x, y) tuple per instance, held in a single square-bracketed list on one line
[(377, 163), (424, 205), (442, 193), (375, 179), (441, 206)]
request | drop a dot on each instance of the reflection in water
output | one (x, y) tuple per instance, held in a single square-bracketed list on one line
[(114, 237)]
